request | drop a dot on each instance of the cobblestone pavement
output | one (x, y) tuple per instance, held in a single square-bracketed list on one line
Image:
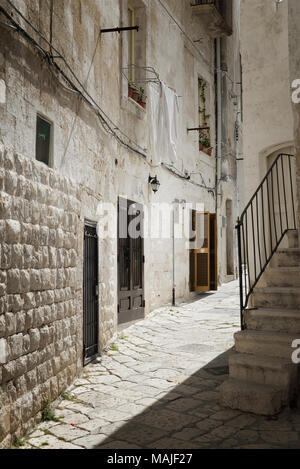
[(157, 387)]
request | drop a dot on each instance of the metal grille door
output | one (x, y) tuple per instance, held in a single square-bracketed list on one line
[(90, 293)]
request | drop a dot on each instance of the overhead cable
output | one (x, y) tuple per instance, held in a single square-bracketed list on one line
[(108, 125)]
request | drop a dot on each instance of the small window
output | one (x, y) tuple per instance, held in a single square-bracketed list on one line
[(134, 52), (43, 140)]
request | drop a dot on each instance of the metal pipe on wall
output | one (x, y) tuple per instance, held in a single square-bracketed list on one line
[(219, 120), (173, 260)]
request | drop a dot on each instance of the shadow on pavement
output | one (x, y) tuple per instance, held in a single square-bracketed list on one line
[(180, 416)]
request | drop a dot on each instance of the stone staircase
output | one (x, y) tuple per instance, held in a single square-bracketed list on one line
[(263, 378)]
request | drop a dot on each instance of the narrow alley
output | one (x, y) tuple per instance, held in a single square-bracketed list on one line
[(156, 387)]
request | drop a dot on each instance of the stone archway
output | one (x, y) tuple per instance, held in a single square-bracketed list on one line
[(268, 155)]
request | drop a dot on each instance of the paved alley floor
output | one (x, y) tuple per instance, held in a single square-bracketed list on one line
[(156, 387)]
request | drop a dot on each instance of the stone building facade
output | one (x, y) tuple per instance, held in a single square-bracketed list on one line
[(268, 116), (64, 93), (294, 67), (270, 41), (40, 319)]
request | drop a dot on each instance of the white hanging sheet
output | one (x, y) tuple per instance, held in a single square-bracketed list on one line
[(164, 122)]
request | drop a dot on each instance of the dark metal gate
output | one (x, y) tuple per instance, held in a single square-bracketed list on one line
[(90, 293), (131, 305)]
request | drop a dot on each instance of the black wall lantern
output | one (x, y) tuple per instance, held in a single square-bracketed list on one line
[(155, 184)]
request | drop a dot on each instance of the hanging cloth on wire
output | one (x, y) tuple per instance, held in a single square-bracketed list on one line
[(170, 114), (164, 122)]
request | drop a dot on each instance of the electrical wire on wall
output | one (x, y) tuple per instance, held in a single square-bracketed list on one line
[(107, 124), (187, 178), (184, 33), (80, 90)]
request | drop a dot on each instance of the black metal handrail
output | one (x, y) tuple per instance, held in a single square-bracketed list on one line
[(269, 215)]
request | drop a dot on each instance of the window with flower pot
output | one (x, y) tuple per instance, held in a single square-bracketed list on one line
[(135, 55), (204, 117)]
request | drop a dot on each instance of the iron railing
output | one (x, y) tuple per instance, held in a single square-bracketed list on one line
[(269, 215)]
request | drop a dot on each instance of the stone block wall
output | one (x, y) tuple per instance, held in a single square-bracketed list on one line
[(40, 313)]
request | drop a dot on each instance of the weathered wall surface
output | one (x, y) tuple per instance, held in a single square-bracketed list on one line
[(268, 119), (294, 47), (231, 175), (98, 165), (83, 151), (40, 313)]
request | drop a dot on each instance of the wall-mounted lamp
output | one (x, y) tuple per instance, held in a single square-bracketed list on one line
[(155, 184), (277, 4)]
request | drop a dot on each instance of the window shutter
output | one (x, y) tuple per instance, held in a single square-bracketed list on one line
[(202, 257), (213, 253)]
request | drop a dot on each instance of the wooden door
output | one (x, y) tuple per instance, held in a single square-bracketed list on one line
[(131, 304), (203, 256), (213, 252), (202, 252)]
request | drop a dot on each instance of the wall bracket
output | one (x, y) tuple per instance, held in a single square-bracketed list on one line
[(120, 30)]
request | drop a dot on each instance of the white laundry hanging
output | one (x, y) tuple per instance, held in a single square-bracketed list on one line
[(154, 98), (164, 122), (170, 115)]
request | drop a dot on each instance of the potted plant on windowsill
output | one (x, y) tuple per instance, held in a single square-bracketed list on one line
[(135, 94), (142, 99), (204, 144), (131, 89)]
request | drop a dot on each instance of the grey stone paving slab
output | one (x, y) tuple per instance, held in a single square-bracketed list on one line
[(132, 408), (159, 388), (93, 426), (68, 432), (112, 415), (90, 441), (183, 404), (73, 418), (115, 444), (172, 443), (141, 434), (51, 442), (166, 420)]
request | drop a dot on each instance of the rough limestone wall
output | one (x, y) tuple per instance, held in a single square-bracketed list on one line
[(294, 45), (40, 320)]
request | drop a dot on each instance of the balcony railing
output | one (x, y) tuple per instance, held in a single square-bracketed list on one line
[(217, 14)]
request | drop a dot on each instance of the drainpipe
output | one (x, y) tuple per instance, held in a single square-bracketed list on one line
[(219, 121), (173, 243)]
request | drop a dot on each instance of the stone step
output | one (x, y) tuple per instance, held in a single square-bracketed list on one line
[(286, 258), (270, 344), (287, 297), (273, 320), (259, 369), (256, 398), (281, 277), (293, 238)]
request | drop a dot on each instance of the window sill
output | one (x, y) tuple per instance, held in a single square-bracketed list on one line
[(141, 108), (131, 106), (207, 151), (206, 159)]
